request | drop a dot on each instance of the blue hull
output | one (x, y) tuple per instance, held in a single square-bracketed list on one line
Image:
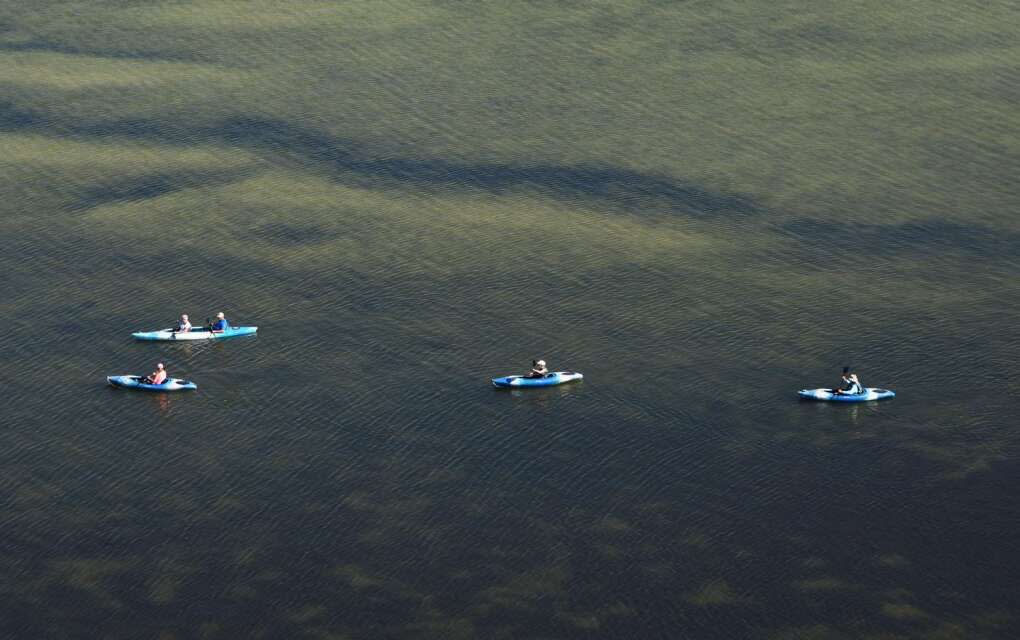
[(550, 380), (826, 395), (134, 382), (167, 335)]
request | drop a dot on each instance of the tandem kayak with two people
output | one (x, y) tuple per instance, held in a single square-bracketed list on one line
[(171, 335), (216, 330)]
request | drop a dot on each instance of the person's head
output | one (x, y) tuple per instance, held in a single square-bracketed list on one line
[(159, 366), (220, 316), (540, 363), (184, 316)]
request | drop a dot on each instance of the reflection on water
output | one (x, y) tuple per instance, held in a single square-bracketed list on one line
[(851, 411), (543, 395), (162, 401)]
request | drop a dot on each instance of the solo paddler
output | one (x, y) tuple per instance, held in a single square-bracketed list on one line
[(850, 384), (538, 369), (156, 377)]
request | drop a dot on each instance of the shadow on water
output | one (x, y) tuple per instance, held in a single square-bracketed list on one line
[(13, 118), (151, 186), (48, 46), (819, 241), (282, 234), (348, 162)]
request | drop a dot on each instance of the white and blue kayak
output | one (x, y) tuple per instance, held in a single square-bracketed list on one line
[(871, 393), (169, 335), (548, 380), (135, 382)]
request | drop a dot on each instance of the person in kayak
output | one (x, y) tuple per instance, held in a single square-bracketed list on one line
[(156, 377), (184, 325), (538, 369), (850, 384), (220, 325)]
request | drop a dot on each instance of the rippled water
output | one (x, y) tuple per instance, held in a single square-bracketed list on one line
[(701, 209)]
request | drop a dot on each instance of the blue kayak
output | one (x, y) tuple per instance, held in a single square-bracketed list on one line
[(548, 380), (169, 335), (135, 382), (871, 393)]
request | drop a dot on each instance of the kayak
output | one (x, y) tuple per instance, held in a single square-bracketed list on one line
[(548, 380), (871, 393), (195, 334), (135, 382)]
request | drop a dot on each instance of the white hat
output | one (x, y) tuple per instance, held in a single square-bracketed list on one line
[(540, 363), (159, 366), (219, 315)]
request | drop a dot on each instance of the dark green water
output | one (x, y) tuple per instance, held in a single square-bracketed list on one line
[(702, 207)]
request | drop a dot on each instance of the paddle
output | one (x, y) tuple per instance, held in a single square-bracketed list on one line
[(836, 392)]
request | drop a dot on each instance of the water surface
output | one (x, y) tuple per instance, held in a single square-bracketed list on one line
[(702, 208)]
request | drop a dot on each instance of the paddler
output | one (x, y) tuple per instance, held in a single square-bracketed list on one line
[(850, 384), (538, 369), (184, 325), (220, 325), (156, 377)]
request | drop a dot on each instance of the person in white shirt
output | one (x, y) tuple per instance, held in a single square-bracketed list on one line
[(538, 369), (184, 325)]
